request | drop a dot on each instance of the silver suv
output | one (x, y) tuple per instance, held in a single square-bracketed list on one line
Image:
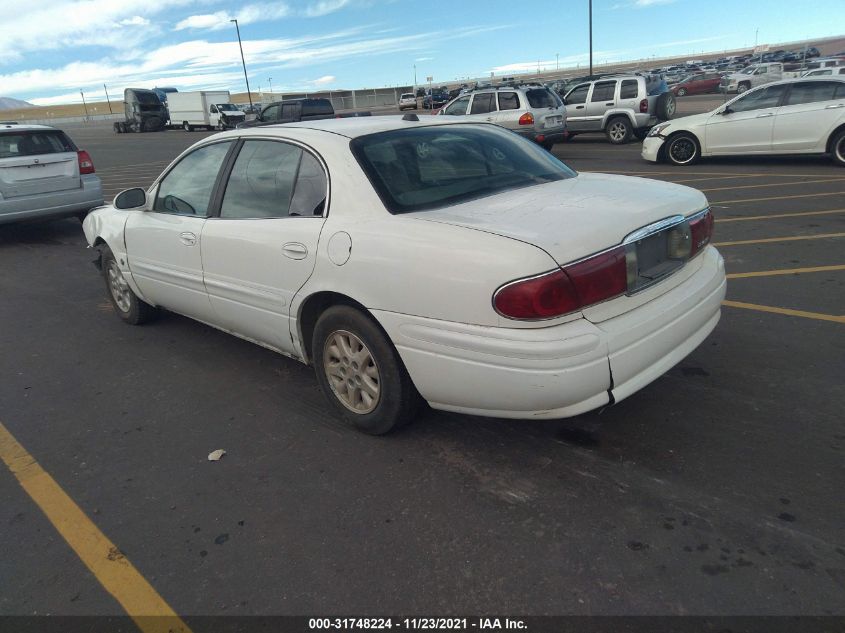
[(622, 107), (532, 111), (44, 175)]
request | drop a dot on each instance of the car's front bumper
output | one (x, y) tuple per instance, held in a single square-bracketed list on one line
[(562, 370), (651, 148), (53, 205)]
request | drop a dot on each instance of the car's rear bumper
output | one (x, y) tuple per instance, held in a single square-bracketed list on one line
[(561, 370), (53, 205)]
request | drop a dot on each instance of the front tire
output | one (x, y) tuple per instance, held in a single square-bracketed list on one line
[(360, 372), (742, 88), (619, 130), (682, 92), (682, 149), (187, 127), (126, 303), (837, 148)]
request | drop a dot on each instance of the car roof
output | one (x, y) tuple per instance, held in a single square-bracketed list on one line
[(799, 80), (353, 127), (24, 127)]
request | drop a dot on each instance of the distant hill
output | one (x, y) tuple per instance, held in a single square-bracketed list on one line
[(7, 103)]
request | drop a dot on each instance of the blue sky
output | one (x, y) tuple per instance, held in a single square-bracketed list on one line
[(51, 50)]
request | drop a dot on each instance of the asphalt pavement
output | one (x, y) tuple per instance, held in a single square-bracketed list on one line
[(715, 490)]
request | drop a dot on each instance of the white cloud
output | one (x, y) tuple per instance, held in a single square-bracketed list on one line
[(649, 3), (322, 81), (246, 15), (423, 59), (324, 7), (135, 20), (39, 26)]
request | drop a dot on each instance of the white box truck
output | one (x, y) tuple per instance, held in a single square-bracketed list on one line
[(210, 109)]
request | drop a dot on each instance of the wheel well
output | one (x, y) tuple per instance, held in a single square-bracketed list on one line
[(661, 154), (619, 115), (311, 310), (829, 145)]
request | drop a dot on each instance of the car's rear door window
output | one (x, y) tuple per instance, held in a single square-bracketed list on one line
[(629, 89), (508, 101), (603, 91), (483, 103), (262, 181), (811, 92)]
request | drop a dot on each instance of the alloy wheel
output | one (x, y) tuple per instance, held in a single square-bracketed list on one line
[(120, 291), (352, 372)]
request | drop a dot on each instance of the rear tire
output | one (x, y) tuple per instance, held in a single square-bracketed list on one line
[(126, 303), (742, 88), (682, 149), (619, 130), (360, 372), (187, 127), (837, 148), (682, 92), (116, 127)]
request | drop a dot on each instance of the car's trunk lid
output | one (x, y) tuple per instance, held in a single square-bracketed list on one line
[(577, 217)]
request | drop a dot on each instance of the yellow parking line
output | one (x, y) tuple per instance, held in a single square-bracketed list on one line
[(717, 178), (786, 311), (781, 215), (775, 184), (800, 195), (785, 271), (111, 568), (780, 239)]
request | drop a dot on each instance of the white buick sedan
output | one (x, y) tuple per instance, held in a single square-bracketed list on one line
[(455, 263), (802, 116)]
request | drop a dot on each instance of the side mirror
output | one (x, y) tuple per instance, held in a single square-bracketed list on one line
[(130, 199)]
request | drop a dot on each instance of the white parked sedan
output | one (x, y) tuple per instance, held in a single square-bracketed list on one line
[(452, 262), (801, 116)]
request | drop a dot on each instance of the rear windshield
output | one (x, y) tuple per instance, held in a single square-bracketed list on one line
[(541, 98), (432, 167), (34, 143)]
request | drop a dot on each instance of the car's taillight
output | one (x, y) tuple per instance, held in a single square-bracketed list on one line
[(701, 228), (565, 290), (599, 277), (86, 165), (526, 119), (644, 106)]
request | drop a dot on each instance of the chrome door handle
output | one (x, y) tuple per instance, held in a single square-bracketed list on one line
[(838, 105), (765, 114), (295, 250), (579, 107), (611, 103), (187, 238)]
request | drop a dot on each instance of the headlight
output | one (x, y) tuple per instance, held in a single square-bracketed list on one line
[(657, 129)]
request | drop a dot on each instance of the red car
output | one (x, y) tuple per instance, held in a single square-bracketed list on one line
[(697, 84)]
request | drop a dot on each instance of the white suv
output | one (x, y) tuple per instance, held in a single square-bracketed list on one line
[(407, 100), (532, 111), (44, 175), (622, 107)]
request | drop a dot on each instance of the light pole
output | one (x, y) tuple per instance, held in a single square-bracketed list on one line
[(270, 79), (591, 36), (756, 31), (557, 61), (415, 76), (246, 79), (84, 105)]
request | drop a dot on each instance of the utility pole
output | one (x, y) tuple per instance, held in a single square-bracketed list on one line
[(107, 98), (557, 61), (415, 77), (246, 79), (755, 36), (84, 105), (591, 37), (270, 79)]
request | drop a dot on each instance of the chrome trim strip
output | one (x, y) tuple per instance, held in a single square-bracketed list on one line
[(654, 227)]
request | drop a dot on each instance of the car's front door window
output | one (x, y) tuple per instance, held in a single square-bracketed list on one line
[(768, 97), (458, 107), (186, 189), (578, 94)]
